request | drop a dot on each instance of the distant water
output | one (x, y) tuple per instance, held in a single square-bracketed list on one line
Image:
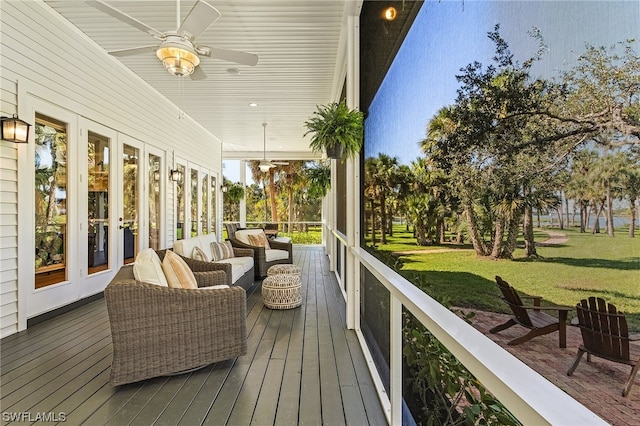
[(618, 221)]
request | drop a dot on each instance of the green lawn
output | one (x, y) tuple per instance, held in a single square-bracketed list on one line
[(586, 265)]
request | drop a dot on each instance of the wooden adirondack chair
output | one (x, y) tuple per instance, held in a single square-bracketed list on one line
[(531, 317), (605, 335)]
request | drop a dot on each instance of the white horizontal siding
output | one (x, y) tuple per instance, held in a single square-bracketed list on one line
[(54, 61), (8, 230)]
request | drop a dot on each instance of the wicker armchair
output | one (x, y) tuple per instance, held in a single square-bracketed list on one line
[(159, 331), (260, 254)]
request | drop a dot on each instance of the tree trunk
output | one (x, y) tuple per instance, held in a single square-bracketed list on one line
[(272, 195), (632, 225), (512, 238), (383, 218), (498, 238), (596, 224), (609, 212), (289, 225), (440, 231), (421, 232), (583, 218), (478, 244), (560, 213), (566, 208), (373, 223), (529, 243)]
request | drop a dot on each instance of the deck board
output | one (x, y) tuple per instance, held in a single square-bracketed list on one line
[(301, 367)]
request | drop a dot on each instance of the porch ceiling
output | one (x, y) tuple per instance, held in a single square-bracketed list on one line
[(299, 65)]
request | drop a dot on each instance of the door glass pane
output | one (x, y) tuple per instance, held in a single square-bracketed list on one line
[(50, 201), (194, 203), (98, 202), (213, 205), (205, 203), (154, 202), (180, 203), (129, 219)]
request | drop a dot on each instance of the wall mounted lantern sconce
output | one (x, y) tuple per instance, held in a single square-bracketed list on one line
[(176, 175), (223, 188), (14, 130)]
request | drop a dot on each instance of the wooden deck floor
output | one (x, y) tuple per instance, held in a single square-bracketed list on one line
[(302, 367)]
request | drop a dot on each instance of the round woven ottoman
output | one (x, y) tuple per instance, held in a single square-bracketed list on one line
[(283, 269), (282, 291)]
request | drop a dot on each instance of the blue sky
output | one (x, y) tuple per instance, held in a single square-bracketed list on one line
[(448, 35)]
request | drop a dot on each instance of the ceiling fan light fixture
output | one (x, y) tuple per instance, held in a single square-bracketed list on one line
[(178, 60), (264, 167)]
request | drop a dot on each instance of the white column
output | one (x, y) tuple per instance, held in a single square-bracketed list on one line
[(243, 202), (353, 178), (331, 218)]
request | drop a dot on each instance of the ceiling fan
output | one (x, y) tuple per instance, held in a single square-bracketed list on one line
[(177, 49), (265, 165)]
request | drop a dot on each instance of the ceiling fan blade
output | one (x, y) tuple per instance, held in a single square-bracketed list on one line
[(201, 16), (112, 11), (236, 56), (280, 163), (134, 50), (198, 74)]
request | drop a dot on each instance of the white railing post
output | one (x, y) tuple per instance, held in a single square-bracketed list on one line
[(395, 371)]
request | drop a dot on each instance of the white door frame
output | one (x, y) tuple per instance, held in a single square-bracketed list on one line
[(37, 301), (95, 283)]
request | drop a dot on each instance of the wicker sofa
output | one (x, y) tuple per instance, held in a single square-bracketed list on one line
[(159, 331), (277, 253), (239, 269)]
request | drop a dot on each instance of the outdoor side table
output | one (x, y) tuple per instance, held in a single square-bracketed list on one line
[(281, 288)]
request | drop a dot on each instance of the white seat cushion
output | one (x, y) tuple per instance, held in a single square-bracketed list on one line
[(185, 247), (245, 261), (237, 267), (281, 239), (275, 254)]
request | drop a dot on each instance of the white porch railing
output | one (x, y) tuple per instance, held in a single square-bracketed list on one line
[(528, 395)]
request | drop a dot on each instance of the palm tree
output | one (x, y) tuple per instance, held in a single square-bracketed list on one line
[(293, 178), (385, 175), (578, 187), (231, 200), (371, 190), (631, 185)]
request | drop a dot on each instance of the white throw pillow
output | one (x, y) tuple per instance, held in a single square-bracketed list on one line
[(148, 269)]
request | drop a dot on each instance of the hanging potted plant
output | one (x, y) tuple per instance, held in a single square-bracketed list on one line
[(337, 130)]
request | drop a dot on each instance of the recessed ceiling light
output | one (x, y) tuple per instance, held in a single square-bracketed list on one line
[(253, 104), (233, 71)]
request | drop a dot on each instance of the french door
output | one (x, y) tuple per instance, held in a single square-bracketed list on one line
[(99, 170), (50, 269), (87, 185), (130, 197)]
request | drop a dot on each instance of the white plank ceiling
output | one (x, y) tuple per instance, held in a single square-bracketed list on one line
[(297, 42)]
